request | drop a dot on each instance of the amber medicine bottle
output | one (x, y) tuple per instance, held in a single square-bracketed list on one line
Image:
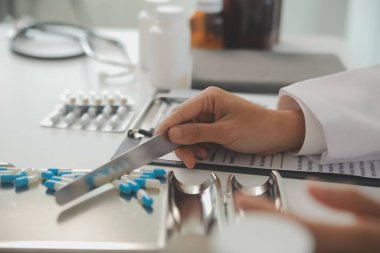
[(207, 25)]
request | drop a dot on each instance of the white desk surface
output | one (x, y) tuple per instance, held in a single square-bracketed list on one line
[(30, 88)]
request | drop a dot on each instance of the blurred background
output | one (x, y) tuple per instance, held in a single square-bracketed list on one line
[(356, 22)]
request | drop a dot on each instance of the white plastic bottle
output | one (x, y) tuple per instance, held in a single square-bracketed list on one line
[(169, 48), (147, 19)]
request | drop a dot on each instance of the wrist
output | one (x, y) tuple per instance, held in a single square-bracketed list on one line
[(291, 129)]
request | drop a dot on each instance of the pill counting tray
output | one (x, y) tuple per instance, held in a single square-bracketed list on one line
[(107, 221)]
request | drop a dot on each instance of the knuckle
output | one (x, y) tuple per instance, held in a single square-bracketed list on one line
[(195, 131)]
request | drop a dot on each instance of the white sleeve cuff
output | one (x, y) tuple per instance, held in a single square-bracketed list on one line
[(314, 142)]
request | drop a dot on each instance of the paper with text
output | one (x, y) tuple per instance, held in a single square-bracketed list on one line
[(218, 155)]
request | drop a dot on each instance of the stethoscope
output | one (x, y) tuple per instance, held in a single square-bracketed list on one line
[(28, 42)]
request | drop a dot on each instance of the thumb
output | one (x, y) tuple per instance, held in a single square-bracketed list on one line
[(345, 199), (192, 133)]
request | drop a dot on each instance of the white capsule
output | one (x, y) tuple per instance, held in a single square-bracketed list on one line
[(92, 111), (70, 118), (85, 119), (121, 111), (114, 121), (99, 121)]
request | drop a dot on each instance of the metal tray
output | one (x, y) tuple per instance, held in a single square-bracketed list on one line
[(105, 220)]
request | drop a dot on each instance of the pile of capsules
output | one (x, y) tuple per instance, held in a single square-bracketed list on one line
[(105, 112), (54, 179)]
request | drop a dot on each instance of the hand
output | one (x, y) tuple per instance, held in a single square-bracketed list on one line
[(363, 236), (223, 118)]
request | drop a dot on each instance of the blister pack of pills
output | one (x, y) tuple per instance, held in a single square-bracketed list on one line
[(105, 112)]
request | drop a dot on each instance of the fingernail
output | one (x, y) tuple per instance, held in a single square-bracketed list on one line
[(176, 133)]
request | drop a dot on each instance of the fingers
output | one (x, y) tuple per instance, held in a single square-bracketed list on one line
[(192, 133), (189, 154), (190, 109), (346, 199), (351, 238), (253, 203)]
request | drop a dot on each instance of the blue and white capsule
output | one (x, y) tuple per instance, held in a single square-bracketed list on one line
[(57, 171), (134, 186), (144, 198), (46, 174), (122, 186), (7, 178), (72, 176), (28, 172), (61, 179), (158, 172), (148, 174), (54, 185), (148, 183), (9, 170), (25, 181), (136, 176)]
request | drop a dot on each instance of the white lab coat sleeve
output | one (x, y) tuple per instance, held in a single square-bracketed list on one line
[(342, 115)]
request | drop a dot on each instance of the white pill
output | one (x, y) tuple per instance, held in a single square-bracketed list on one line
[(92, 94), (85, 119), (110, 99), (123, 100), (72, 100), (92, 111), (121, 111), (105, 93), (100, 119), (70, 118), (61, 109), (77, 111), (85, 100), (107, 110), (117, 94), (55, 117), (98, 100), (80, 94), (115, 120)]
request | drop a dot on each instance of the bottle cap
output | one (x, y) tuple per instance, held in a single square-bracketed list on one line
[(171, 15), (151, 5), (210, 6)]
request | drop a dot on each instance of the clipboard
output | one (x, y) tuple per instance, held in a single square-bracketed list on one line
[(156, 109)]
